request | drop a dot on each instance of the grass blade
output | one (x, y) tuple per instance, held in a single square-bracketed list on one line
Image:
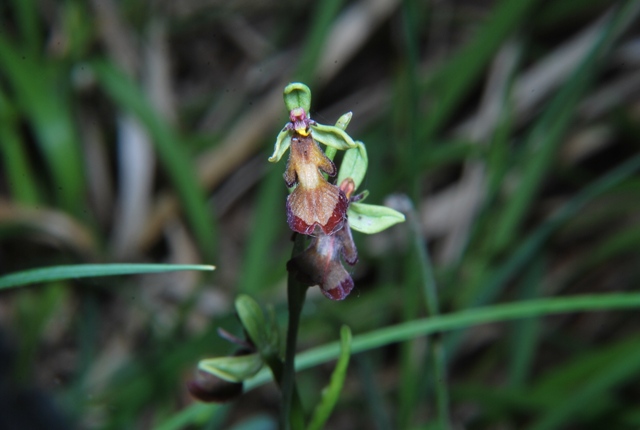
[(454, 321), (622, 368), (19, 173), (56, 273), (331, 393), (41, 90), (450, 83), (549, 130)]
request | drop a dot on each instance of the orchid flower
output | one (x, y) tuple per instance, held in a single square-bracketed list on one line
[(319, 208)]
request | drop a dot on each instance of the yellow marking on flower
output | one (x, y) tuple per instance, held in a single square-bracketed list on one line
[(304, 131)]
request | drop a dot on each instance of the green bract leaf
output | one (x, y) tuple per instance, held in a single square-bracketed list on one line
[(344, 121), (372, 219), (233, 369), (297, 95), (283, 142), (354, 164), (332, 136), (253, 321), (331, 393)]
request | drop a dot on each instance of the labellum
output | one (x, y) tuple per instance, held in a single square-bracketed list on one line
[(314, 201), (321, 263)]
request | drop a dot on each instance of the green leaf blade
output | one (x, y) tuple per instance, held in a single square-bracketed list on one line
[(56, 273), (371, 219), (331, 393)]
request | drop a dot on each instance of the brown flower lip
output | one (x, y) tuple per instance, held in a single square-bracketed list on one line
[(320, 264), (314, 202)]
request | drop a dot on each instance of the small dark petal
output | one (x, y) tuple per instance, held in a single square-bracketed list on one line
[(320, 264), (209, 388), (341, 290), (328, 166), (290, 176), (349, 251)]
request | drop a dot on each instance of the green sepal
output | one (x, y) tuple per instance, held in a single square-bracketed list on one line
[(283, 142), (253, 321), (354, 164), (233, 369), (331, 393), (372, 219), (342, 124), (297, 95), (332, 136)]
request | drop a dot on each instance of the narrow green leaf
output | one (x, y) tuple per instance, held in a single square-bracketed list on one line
[(530, 245), (617, 371), (371, 219), (42, 95), (525, 334), (450, 83), (19, 173), (55, 273), (323, 18), (259, 260), (549, 130), (253, 321), (331, 393)]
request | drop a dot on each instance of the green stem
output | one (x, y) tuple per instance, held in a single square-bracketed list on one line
[(330, 152), (296, 294), (437, 355)]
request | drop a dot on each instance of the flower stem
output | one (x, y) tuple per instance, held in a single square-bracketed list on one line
[(437, 356), (292, 418)]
